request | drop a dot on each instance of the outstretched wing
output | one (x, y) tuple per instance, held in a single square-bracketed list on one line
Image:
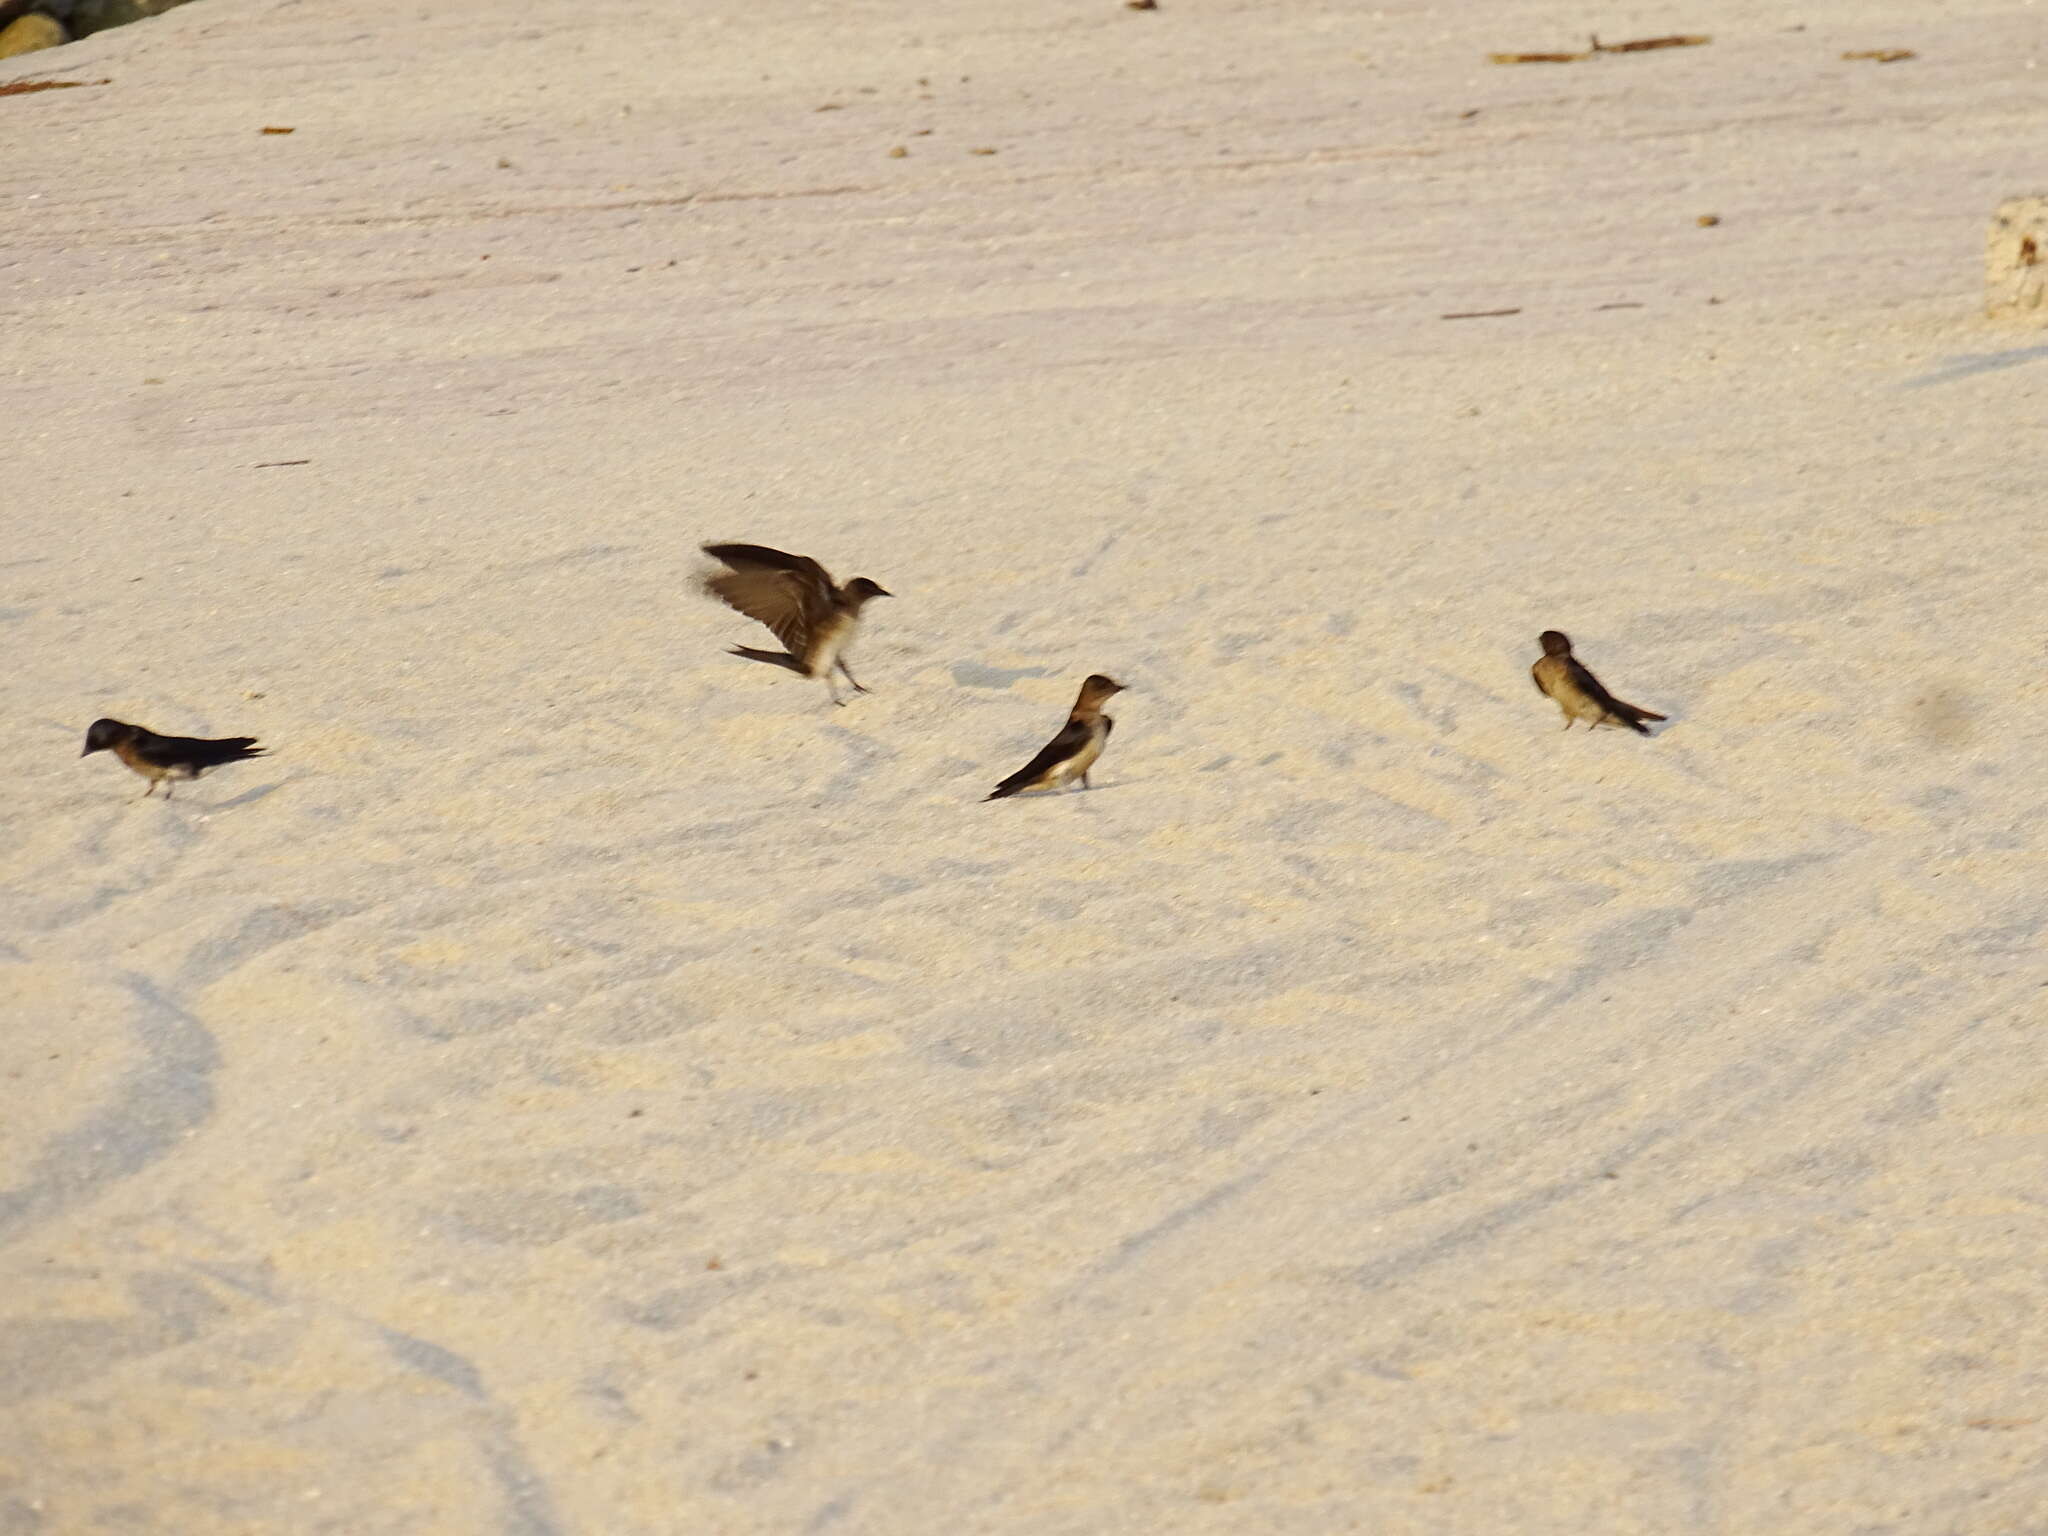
[(788, 593), (1072, 737)]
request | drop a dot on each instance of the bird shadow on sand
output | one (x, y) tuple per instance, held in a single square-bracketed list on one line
[(246, 797), (1972, 364), (1660, 727), (773, 658), (1071, 794), (973, 674), (1656, 728)]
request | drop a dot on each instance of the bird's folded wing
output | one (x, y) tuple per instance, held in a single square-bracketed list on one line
[(1072, 737), (193, 751), (162, 751), (1590, 685)]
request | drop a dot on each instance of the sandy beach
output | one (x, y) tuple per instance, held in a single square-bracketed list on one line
[(583, 1084)]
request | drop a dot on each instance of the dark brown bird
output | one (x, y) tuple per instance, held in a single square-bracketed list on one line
[(165, 759), (799, 602), (1070, 754), (1561, 676)]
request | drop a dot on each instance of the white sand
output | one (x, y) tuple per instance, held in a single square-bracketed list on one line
[(581, 1083)]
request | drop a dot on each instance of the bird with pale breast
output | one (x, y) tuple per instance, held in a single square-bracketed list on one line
[(1070, 754), (813, 616), (165, 759), (1561, 677)]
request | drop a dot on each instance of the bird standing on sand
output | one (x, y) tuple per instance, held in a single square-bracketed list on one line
[(1578, 693), (1069, 755), (797, 599), (165, 759)]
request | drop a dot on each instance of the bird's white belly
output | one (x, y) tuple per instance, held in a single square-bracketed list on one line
[(1081, 761), (831, 644)]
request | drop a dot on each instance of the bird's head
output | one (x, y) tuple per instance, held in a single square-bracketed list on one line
[(1097, 687), (860, 589), (102, 734), (1555, 642)]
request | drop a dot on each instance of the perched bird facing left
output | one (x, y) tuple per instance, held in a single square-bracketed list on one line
[(798, 600), (1070, 754), (165, 759), (1560, 676)]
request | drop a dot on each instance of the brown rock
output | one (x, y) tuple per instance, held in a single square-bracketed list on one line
[(28, 33)]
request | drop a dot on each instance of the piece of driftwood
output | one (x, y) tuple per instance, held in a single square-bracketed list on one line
[(1646, 44), (1634, 45), (24, 87)]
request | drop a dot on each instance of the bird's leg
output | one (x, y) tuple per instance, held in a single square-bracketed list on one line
[(1084, 782), (851, 678), (149, 791), (1568, 721), (167, 789), (833, 692)]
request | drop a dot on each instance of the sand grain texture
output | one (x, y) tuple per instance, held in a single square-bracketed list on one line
[(579, 1082)]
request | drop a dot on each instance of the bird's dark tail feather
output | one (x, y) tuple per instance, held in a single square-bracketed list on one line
[(1633, 716), (773, 658), (1007, 788), (231, 749)]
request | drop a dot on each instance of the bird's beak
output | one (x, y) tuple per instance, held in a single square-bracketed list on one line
[(883, 592), (88, 752)]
